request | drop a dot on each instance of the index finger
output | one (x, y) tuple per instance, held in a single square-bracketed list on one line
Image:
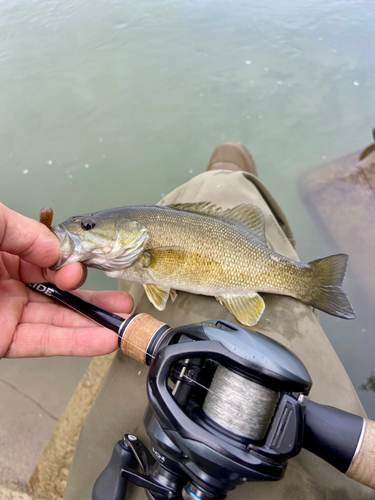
[(27, 238)]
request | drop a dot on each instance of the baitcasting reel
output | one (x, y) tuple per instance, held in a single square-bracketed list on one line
[(226, 406)]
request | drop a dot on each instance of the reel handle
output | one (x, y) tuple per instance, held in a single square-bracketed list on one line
[(111, 485)]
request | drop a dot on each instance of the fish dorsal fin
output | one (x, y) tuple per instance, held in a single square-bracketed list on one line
[(202, 207), (249, 215)]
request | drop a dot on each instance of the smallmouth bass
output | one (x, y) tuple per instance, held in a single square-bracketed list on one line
[(201, 249)]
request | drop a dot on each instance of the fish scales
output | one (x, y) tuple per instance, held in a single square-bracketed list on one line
[(227, 256), (198, 248)]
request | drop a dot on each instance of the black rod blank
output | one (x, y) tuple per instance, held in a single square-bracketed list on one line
[(95, 313)]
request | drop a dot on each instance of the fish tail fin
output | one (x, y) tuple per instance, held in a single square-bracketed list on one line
[(328, 295)]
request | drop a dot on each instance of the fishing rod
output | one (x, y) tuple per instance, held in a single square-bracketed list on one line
[(226, 405)]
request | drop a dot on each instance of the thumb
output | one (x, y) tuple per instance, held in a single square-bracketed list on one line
[(27, 238)]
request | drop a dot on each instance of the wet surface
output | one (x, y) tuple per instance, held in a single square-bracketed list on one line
[(105, 104)]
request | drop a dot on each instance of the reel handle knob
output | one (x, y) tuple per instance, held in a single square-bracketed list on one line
[(111, 485), (137, 333), (363, 467)]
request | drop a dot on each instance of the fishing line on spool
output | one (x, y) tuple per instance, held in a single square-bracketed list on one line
[(257, 407), (250, 418)]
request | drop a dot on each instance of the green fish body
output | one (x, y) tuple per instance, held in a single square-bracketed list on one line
[(199, 248)]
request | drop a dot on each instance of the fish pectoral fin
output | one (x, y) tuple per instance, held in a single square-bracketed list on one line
[(167, 255), (247, 309), (145, 259), (157, 295), (165, 249), (173, 294), (149, 256)]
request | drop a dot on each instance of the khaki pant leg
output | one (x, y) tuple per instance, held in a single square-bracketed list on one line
[(121, 402)]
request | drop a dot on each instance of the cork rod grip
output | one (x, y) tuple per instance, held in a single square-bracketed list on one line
[(363, 468), (138, 334)]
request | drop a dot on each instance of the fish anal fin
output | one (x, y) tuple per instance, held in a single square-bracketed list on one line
[(247, 308), (157, 295), (250, 216), (173, 294)]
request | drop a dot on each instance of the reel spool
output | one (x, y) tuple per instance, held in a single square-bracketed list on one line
[(240, 405)]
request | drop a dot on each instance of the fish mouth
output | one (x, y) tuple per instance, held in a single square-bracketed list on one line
[(69, 248), (113, 256)]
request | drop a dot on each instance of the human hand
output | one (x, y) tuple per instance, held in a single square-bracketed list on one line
[(32, 325)]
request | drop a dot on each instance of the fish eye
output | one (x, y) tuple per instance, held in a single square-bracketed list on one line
[(88, 223)]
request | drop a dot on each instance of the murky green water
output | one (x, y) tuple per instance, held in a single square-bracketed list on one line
[(106, 104)]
